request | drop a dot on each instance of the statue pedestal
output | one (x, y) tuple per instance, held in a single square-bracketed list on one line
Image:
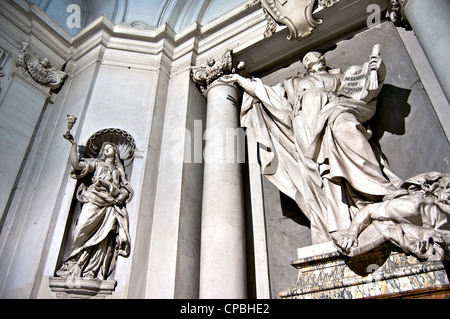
[(79, 288), (326, 274)]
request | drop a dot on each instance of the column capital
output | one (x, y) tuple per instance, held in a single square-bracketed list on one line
[(209, 75)]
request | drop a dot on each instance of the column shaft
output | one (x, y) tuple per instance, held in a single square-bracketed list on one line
[(223, 254), (431, 24)]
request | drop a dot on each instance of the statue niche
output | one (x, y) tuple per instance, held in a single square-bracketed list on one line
[(315, 146), (101, 233)]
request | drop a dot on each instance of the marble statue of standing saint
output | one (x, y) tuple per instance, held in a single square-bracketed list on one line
[(101, 233), (313, 143)]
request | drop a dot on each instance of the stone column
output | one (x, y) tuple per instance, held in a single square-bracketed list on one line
[(429, 20), (223, 255)]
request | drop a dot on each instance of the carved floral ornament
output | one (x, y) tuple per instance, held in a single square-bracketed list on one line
[(40, 69), (205, 75)]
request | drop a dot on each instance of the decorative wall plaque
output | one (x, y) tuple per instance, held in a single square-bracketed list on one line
[(297, 15)]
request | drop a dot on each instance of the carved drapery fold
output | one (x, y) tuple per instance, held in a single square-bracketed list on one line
[(40, 69)]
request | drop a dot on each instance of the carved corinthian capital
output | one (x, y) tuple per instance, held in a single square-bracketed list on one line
[(205, 75), (40, 69)]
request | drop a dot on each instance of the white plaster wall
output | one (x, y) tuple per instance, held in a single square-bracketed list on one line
[(42, 183), (176, 212), (121, 98), (19, 113)]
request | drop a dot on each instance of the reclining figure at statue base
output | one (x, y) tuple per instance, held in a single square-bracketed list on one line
[(415, 218)]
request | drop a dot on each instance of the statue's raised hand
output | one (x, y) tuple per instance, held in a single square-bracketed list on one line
[(70, 138)]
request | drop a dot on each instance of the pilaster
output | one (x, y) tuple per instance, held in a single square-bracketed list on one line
[(429, 20)]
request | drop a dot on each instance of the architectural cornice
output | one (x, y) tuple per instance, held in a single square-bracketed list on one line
[(28, 23), (240, 30), (339, 21)]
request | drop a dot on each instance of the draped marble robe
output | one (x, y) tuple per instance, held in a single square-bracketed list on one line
[(314, 147), (101, 233)]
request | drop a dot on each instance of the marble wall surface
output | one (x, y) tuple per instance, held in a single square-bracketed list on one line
[(325, 274)]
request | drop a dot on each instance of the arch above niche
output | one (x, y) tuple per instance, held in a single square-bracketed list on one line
[(122, 139)]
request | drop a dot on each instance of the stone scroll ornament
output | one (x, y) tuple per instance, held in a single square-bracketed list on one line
[(101, 233), (40, 69), (297, 15)]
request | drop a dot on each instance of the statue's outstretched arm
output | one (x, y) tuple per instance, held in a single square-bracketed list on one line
[(76, 164), (245, 83)]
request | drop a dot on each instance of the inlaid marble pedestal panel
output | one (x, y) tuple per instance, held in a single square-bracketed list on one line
[(326, 274), (79, 288)]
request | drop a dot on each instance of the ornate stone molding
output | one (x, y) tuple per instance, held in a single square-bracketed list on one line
[(205, 75), (40, 69), (297, 15), (396, 14), (327, 3), (325, 274), (79, 288), (272, 25)]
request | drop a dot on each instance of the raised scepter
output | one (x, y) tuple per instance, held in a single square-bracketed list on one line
[(373, 76), (71, 120)]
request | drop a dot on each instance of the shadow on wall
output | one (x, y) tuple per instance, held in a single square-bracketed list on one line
[(291, 210), (392, 110)]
